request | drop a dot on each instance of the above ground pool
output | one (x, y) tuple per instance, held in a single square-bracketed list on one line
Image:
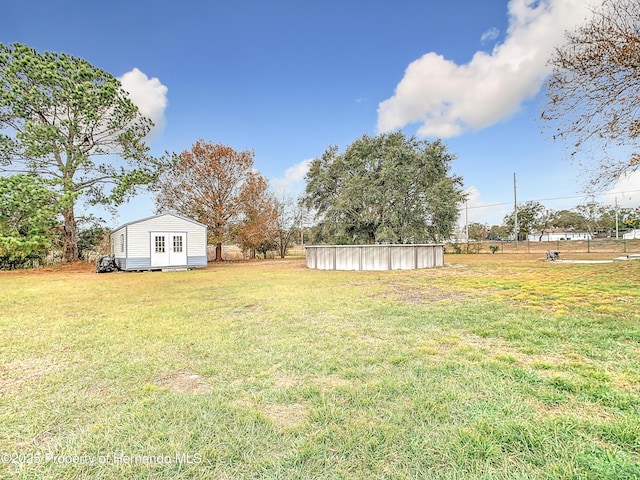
[(374, 257)]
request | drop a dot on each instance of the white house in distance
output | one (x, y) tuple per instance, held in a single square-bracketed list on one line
[(161, 242), (554, 235)]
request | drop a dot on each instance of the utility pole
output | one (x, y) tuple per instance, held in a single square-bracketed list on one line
[(466, 219), (515, 209), (616, 218)]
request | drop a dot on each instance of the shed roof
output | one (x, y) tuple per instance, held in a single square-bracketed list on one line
[(157, 216)]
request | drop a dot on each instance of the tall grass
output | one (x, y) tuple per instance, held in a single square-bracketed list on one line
[(498, 368)]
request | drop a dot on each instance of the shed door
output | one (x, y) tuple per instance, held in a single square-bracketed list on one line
[(168, 249), (178, 253)]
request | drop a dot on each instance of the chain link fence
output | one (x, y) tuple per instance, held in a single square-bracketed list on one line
[(601, 245)]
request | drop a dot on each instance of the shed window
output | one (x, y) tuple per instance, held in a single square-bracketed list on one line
[(177, 244), (122, 242), (159, 244)]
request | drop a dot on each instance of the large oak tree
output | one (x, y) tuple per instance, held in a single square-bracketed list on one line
[(386, 188), (72, 124), (594, 91)]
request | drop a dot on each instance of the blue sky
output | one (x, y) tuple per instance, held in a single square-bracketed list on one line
[(289, 78)]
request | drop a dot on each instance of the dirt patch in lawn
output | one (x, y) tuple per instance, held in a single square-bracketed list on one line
[(288, 415), (184, 382), (74, 267)]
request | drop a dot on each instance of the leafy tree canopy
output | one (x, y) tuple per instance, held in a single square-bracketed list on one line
[(257, 224), (69, 122), (478, 231), (206, 183), (27, 219), (592, 217), (387, 188), (93, 236), (532, 216), (569, 220)]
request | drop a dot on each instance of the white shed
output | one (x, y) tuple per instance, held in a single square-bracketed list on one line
[(161, 242)]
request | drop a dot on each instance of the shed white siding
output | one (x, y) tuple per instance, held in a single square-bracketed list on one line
[(136, 245)]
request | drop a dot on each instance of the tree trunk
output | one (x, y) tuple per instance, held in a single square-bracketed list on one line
[(70, 237), (218, 252), (372, 238)]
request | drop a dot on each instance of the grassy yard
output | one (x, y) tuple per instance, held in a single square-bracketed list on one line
[(494, 366)]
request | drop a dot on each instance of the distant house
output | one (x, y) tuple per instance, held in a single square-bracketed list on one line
[(161, 242), (554, 235), (632, 234)]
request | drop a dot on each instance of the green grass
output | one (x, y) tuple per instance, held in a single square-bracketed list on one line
[(499, 368)]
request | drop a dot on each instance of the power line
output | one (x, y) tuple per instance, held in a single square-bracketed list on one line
[(553, 198)]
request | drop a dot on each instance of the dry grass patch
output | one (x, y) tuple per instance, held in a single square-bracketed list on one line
[(285, 415), (21, 373), (184, 382), (329, 383), (412, 294), (569, 408)]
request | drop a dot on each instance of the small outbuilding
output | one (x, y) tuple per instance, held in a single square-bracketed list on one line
[(161, 242)]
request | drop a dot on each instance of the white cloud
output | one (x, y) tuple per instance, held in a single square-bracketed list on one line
[(291, 183), (449, 99), (626, 190), (473, 195), (479, 210), (490, 35), (148, 94)]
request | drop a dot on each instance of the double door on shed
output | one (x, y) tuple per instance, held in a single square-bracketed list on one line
[(168, 249)]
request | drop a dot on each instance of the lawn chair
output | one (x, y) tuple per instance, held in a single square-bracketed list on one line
[(553, 256)]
